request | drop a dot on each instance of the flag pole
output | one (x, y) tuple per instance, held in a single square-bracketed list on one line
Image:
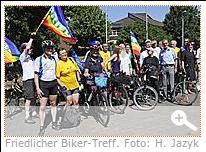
[(43, 19), (106, 24)]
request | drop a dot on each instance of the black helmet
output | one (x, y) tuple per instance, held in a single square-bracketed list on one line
[(47, 43)]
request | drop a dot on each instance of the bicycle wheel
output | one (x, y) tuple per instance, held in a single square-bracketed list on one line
[(185, 93), (145, 98), (118, 99), (101, 110)]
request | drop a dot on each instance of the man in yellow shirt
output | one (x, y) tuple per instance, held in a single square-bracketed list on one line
[(105, 54), (178, 55), (174, 46)]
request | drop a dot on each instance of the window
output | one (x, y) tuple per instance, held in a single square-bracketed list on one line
[(114, 32)]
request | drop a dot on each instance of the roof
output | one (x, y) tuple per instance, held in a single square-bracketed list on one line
[(133, 17)]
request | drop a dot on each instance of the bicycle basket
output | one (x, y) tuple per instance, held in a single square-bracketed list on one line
[(101, 81)]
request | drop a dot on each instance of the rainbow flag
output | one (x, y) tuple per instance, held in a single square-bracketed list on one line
[(135, 45), (55, 21), (11, 52), (8, 58), (11, 47)]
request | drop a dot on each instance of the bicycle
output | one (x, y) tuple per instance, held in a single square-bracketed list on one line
[(117, 94), (145, 97), (14, 98), (93, 100), (185, 92)]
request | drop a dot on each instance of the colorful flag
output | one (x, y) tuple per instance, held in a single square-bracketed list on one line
[(8, 58), (55, 21), (11, 47), (11, 52), (135, 45), (77, 59)]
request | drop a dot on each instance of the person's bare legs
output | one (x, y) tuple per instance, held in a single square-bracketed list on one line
[(27, 107), (75, 99), (42, 112), (52, 99)]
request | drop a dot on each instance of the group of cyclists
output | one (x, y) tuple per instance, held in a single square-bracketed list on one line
[(56, 70)]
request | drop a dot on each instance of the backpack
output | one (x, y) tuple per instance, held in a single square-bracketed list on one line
[(41, 67), (71, 117)]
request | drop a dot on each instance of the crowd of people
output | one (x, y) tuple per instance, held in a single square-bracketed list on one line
[(55, 70)]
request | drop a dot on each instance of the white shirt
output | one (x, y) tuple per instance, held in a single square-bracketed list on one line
[(27, 64), (125, 63), (157, 52), (143, 55), (48, 66)]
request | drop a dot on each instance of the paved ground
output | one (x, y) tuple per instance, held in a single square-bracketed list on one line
[(132, 123)]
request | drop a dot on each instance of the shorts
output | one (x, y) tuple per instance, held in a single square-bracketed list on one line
[(29, 89), (48, 87), (70, 92)]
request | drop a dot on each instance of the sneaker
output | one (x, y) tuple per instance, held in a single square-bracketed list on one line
[(35, 114), (54, 126), (58, 126), (42, 131), (29, 121)]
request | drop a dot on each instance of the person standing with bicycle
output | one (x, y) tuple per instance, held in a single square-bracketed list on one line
[(46, 83), (94, 62), (27, 63), (168, 66), (151, 67), (188, 64)]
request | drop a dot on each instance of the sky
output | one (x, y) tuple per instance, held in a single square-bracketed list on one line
[(118, 12)]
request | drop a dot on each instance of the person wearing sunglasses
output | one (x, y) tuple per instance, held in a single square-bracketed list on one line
[(94, 62), (46, 83)]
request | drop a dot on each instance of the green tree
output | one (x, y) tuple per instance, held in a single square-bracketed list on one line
[(22, 20), (86, 22), (173, 23), (154, 33)]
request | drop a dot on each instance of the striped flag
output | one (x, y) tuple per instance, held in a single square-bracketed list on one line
[(55, 21), (11, 47), (8, 58), (11, 52), (135, 45)]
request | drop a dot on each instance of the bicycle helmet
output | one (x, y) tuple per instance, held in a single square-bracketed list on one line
[(94, 44), (47, 43)]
